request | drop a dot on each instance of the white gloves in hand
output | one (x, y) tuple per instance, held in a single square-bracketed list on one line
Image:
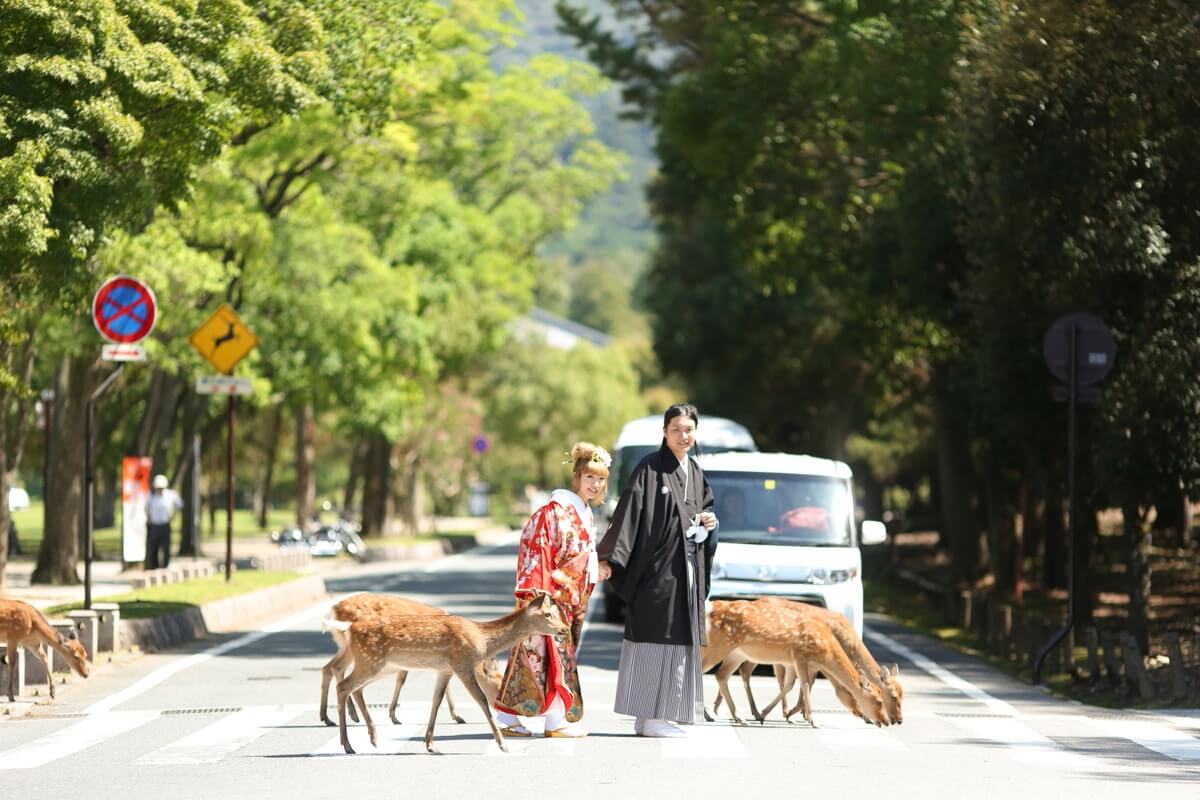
[(697, 533)]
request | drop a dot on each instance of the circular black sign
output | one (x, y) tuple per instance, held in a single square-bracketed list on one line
[(1095, 348)]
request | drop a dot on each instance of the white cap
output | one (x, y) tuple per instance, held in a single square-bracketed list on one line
[(160, 482)]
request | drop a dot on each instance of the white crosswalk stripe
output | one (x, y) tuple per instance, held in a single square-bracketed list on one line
[(1071, 742), (1025, 742), (1152, 736), (218, 740), (74, 738)]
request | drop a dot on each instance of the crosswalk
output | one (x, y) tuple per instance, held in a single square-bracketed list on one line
[(1077, 743)]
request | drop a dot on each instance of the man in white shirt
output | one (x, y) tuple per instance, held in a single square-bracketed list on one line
[(160, 509)]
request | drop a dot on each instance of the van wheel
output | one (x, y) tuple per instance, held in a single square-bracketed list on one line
[(614, 609)]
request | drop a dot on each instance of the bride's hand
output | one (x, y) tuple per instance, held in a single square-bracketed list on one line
[(605, 571)]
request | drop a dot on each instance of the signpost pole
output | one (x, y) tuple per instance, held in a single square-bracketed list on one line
[(89, 473), (229, 492)]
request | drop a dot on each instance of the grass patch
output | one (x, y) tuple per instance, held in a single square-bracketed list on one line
[(154, 601), (108, 540)]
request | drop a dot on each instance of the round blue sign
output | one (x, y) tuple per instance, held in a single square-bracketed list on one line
[(479, 444), (124, 310)]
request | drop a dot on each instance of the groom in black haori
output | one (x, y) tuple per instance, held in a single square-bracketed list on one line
[(658, 555)]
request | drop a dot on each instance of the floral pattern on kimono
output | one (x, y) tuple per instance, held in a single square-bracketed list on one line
[(552, 559)]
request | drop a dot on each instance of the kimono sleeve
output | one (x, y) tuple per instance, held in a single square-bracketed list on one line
[(620, 541), (535, 557)]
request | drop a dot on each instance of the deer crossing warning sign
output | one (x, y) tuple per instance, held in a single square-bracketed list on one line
[(223, 339)]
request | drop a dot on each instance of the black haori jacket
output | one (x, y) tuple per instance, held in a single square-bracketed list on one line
[(646, 548)]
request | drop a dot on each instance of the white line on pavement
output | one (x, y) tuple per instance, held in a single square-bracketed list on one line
[(942, 674), (156, 677), (213, 742), (1159, 738), (1025, 742), (74, 738), (706, 741)]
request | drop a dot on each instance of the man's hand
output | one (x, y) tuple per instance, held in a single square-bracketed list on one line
[(605, 571), (708, 519)]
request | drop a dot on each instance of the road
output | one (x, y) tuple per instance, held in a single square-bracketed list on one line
[(235, 717)]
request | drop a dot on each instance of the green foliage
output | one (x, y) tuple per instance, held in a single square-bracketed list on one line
[(540, 400)]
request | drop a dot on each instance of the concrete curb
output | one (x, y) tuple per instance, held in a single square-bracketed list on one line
[(181, 627)]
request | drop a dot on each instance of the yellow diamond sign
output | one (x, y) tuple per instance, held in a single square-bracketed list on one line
[(223, 339)]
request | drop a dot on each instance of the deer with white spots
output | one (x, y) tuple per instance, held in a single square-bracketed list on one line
[(22, 625)]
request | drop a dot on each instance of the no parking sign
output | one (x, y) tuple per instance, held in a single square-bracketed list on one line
[(124, 310)]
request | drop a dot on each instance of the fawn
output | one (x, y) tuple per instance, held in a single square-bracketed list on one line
[(741, 631), (359, 605), (22, 624), (446, 643), (888, 680)]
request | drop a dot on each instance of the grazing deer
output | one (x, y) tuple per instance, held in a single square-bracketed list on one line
[(887, 680), (741, 631), (359, 605), (23, 625), (448, 644)]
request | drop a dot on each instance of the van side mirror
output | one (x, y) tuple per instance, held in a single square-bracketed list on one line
[(873, 532)]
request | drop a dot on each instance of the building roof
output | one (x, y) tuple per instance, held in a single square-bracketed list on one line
[(557, 331)]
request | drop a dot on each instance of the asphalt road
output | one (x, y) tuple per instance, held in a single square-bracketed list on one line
[(236, 717)]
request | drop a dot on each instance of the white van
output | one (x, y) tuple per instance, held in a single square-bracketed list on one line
[(788, 530), (643, 436)]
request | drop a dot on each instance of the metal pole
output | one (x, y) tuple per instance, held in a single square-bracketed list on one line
[(1072, 397), (89, 477), (229, 492)]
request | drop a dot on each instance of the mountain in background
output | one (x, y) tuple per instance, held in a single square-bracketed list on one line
[(615, 234)]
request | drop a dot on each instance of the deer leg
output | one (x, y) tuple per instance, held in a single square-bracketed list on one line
[(467, 676), (36, 652), (785, 681), (362, 707), (439, 689), (352, 683), (336, 667), (12, 669), (450, 705), (807, 679), (401, 677), (746, 671), (805, 684), (728, 667)]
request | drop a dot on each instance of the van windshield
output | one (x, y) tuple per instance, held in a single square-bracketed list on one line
[(760, 508)]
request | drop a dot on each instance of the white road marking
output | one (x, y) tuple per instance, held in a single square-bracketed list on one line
[(228, 734), (847, 734), (1153, 736), (1025, 742), (393, 740), (72, 739), (706, 741), (159, 675), (942, 674)]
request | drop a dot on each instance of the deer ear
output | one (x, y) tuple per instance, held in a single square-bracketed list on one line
[(894, 669)]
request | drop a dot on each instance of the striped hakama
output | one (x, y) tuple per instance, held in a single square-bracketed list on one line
[(663, 681)]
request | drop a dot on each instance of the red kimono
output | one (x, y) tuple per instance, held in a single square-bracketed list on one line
[(556, 557)]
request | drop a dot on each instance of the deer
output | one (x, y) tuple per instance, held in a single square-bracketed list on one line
[(448, 644), (23, 625), (740, 631), (487, 673), (887, 680)]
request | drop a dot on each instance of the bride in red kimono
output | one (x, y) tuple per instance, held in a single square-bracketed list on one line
[(557, 558)]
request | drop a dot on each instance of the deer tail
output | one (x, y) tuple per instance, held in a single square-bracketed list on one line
[(332, 623)]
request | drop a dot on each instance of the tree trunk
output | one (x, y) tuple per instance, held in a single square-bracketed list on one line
[(954, 474), (357, 466), (1173, 519), (1002, 532), (4, 512), (408, 489), (306, 475), (1137, 546), (1054, 556), (872, 495), (375, 485), (1086, 537), (59, 552), (272, 452)]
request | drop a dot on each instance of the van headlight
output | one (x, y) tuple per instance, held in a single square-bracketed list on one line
[(823, 577)]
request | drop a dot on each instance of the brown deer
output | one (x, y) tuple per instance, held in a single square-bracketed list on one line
[(23, 625), (741, 631), (447, 644), (359, 605), (887, 680)]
